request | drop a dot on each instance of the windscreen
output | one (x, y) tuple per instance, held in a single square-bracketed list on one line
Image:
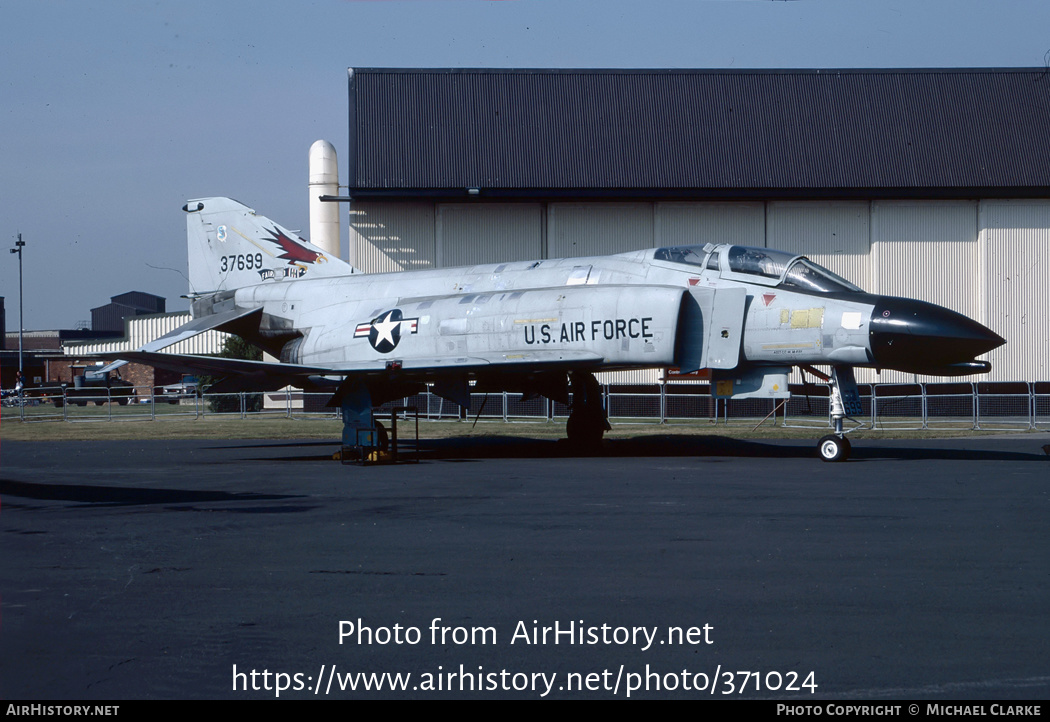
[(806, 276)]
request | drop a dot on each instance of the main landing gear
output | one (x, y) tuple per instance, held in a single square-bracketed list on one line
[(587, 421)]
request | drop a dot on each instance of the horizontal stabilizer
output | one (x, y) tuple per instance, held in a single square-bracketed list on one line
[(197, 326)]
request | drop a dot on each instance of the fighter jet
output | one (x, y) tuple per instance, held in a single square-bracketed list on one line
[(545, 327)]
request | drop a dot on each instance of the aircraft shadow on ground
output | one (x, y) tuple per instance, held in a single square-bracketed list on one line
[(125, 495), (875, 452), (698, 446), (476, 448)]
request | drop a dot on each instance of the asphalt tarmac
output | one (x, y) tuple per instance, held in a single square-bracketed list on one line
[(665, 567)]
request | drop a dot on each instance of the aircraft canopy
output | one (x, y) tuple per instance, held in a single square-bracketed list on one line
[(766, 266)]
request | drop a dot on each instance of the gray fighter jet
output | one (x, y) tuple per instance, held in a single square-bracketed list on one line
[(544, 327)]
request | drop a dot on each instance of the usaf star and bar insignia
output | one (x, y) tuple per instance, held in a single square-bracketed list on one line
[(385, 331)]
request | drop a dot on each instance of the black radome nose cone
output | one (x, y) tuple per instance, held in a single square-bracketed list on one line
[(923, 338)]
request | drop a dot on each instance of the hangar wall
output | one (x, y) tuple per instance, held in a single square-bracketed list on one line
[(468, 234), (388, 237), (1015, 251), (984, 258)]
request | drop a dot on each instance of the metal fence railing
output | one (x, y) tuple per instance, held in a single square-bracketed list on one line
[(126, 403), (984, 405)]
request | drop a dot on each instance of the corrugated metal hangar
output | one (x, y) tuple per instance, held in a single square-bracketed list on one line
[(931, 184)]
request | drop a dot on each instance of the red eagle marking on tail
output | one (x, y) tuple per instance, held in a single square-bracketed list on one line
[(292, 250)]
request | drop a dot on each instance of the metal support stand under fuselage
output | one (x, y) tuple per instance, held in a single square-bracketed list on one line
[(365, 439)]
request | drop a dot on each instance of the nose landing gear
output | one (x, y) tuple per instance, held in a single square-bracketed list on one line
[(845, 404), (834, 448)]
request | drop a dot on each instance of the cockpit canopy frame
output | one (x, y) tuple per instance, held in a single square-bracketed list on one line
[(762, 266)]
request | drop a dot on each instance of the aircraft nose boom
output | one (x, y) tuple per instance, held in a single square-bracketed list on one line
[(923, 338)]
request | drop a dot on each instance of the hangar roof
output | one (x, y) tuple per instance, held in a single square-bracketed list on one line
[(700, 133)]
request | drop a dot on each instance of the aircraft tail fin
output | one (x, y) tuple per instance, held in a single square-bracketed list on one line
[(230, 246)]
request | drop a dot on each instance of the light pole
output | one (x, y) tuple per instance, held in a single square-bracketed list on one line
[(19, 244)]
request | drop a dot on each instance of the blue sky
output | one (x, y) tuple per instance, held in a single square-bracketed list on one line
[(113, 114)]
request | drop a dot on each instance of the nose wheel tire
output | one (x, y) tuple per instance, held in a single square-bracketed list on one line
[(834, 448)]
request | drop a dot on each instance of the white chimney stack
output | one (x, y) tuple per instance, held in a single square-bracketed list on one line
[(324, 181)]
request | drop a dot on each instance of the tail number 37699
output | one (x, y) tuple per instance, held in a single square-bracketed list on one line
[(240, 262)]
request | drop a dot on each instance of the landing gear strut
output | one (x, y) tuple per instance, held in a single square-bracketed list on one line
[(587, 422), (845, 403)]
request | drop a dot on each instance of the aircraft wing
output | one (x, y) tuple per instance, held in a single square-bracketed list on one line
[(218, 366), (215, 365)]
